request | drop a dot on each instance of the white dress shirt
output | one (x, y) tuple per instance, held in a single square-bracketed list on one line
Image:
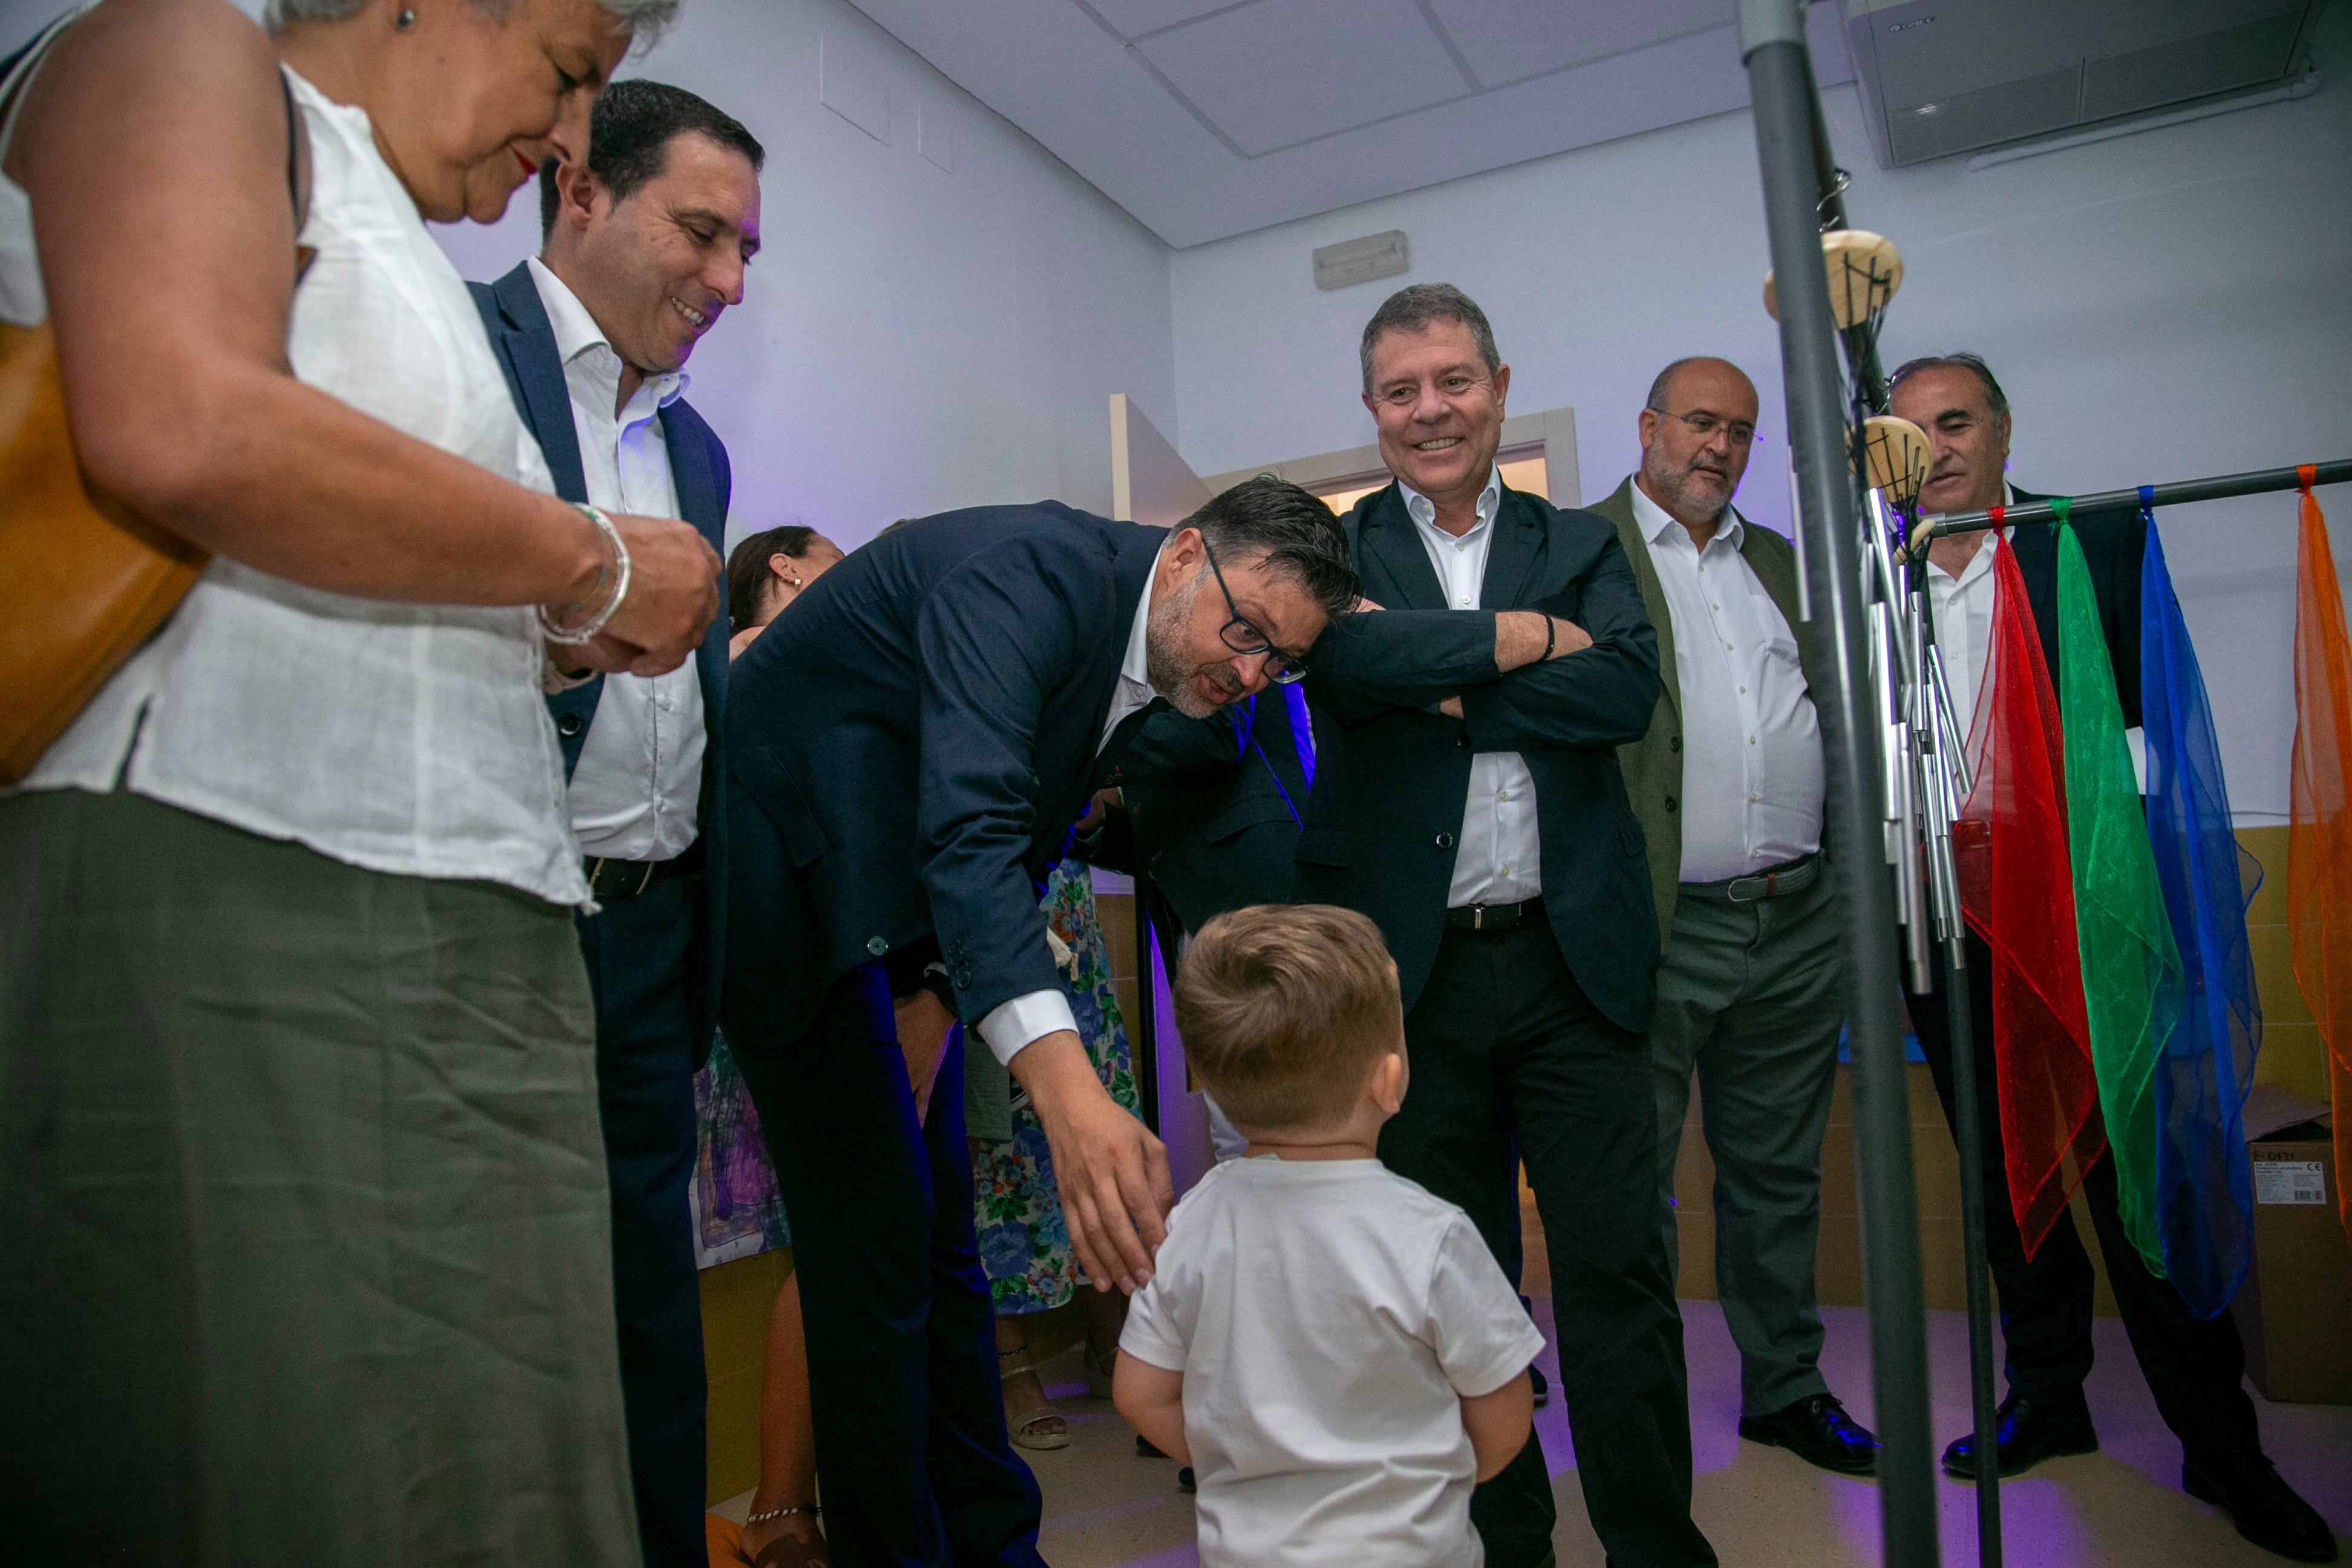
[(1963, 608), (1752, 778), (1010, 1025), (1499, 859), (640, 778), (1134, 692), (410, 739)]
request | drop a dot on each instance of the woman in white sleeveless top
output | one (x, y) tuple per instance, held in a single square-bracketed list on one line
[(303, 1223)]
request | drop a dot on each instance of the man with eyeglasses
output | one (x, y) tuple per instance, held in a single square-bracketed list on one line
[(1729, 784), (907, 745), (1481, 823)]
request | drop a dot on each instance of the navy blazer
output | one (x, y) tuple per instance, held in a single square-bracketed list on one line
[(1214, 808), (907, 745), (1392, 775), (2112, 543), (524, 342)]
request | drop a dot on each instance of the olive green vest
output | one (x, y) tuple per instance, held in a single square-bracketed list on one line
[(1653, 765)]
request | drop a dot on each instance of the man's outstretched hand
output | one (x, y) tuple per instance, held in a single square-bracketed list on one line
[(1112, 1173)]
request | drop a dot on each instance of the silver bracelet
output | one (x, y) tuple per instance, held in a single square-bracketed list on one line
[(575, 637), (779, 1512)]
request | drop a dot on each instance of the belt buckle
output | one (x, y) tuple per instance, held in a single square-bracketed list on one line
[(596, 876)]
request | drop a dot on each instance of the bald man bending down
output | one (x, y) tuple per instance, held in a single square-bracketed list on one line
[(1728, 787)]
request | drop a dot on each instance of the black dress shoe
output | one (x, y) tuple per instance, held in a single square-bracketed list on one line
[(2026, 1432), (1818, 1431), (1536, 1381), (1184, 1483), (1144, 1450), (2244, 1483)]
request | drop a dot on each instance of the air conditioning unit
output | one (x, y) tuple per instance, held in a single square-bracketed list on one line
[(1941, 77)]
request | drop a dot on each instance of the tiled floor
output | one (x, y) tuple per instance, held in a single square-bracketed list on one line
[(1105, 1508)]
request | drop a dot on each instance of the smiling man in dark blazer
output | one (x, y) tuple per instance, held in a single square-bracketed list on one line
[(644, 246), (907, 746), (2195, 1366), (1482, 823)]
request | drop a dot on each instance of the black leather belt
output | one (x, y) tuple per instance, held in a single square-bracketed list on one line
[(610, 879), (1492, 917)]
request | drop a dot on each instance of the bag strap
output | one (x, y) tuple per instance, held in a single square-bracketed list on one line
[(17, 86), (295, 192), (18, 72)]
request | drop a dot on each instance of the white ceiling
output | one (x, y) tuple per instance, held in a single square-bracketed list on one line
[(1209, 118)]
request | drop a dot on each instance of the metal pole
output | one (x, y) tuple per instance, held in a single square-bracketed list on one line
[(1773, 44), (2260, 481), (1967, 1126), (1966, 1129)]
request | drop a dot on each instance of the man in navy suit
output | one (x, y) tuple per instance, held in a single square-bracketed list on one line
[(907, 746), (1482, 823), (645, 246), (2195, 1366)]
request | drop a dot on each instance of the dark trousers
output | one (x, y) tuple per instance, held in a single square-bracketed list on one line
[(911, 1451), (1503, 1045), (636, 951), (2194, 1366)]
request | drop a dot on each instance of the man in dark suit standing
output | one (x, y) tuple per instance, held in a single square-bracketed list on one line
[(2195, 1366), (1729, 785), (1482, 822), (645, 246), (907, 745)]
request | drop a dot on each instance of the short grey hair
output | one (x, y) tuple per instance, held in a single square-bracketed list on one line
[(1995, 399), (1413, 307), (646, 20)]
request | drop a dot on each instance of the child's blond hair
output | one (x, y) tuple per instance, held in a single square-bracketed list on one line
[(1285, 1008)]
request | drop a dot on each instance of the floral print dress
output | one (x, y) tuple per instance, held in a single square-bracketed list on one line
[(1024, 1246)]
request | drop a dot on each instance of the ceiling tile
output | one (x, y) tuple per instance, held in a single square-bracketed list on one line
[(1510, 40), (1062, 76), (1285, 71), (1133, 18)]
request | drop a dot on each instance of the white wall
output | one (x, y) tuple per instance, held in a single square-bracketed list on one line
[(2164, 306), (914, 338)]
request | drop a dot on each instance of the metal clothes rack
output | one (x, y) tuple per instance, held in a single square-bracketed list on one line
[(2260, 481)]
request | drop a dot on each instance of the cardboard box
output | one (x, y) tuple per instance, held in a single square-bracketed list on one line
[(2295, 1309)]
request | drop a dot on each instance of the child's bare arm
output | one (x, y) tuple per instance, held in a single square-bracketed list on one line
[(1152, 1400), (1499, 1424)]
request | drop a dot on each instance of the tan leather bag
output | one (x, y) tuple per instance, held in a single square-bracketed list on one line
[(86, 583), (86, 579)]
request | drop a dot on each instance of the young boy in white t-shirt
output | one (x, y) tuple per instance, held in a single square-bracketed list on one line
[(1332, 1349)]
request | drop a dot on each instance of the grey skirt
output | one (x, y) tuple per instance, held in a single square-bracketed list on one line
[(304, 1241)]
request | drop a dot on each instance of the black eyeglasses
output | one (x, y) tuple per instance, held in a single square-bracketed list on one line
[(1243, 638), (1704, 426)]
